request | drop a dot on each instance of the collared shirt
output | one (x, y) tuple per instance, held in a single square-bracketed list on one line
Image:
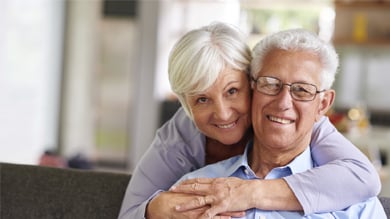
[(238, 166), (179, 148)]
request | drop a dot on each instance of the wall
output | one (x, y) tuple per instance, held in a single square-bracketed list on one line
[(30, 72)]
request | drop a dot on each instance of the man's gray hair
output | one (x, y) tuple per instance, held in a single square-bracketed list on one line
[(298, 40)]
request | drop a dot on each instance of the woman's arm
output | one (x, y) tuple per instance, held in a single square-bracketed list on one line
[(178, 148), (342, 168), (316, 190)]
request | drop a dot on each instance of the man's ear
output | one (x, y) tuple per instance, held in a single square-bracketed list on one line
[(326, 103)]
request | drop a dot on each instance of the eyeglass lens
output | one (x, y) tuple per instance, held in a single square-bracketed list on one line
[(298, 90)]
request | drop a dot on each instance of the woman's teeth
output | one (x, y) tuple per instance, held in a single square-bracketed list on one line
[(226, 126)]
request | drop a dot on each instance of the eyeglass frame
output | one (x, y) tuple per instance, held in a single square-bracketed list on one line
[(286, 84)]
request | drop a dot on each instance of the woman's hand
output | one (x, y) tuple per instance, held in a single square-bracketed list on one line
[(225, 196), (232, 194), (163, 206)]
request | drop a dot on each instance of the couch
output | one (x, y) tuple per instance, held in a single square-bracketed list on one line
[(37, 192)]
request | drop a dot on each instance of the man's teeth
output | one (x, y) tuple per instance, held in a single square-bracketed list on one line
[(226, 126), (280, 120)]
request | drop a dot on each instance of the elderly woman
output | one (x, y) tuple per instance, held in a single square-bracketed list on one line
[(209, 72), (292, 73)]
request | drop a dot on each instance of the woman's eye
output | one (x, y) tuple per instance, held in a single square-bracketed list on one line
[(201, 100), (232, 90)]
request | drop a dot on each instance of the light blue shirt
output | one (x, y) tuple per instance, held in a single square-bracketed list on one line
[(238, 167)]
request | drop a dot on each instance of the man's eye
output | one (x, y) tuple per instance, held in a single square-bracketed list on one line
[(271, 86), (302, 89)]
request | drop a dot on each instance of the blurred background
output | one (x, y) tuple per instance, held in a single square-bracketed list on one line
[(83, 83)]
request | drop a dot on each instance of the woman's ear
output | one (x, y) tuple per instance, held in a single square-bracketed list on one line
[(326, 103)]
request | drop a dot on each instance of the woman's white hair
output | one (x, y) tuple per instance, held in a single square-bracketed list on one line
[(298, 40), (202, 54)]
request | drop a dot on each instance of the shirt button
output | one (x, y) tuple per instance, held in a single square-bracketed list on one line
[(262, 217), (246, 172)]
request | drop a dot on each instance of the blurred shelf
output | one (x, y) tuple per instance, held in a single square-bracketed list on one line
[(370, 42), (362, 23), (362, 4)]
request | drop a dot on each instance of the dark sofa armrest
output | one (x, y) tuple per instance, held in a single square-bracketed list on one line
[(386, 204), (28, 191)]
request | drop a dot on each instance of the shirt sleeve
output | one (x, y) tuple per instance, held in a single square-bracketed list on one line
[(171, 154), (342, 168)]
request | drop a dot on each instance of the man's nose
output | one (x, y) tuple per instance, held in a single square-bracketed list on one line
[(284, 98)]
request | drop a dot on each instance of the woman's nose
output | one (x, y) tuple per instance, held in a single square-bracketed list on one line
[(222, 110)]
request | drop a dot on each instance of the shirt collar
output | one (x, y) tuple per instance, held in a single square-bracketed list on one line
[(300, 163), (240, 161)]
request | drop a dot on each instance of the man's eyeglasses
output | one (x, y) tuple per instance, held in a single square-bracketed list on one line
[(299, 91)]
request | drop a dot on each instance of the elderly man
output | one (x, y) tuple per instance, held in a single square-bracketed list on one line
[(292, 73)]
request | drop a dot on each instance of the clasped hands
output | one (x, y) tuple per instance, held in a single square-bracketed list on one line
[(204, 198)]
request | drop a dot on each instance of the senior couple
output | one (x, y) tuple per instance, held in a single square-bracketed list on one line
[(252, 140)]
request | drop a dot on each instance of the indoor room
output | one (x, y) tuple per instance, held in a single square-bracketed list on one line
[(84, 83)]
